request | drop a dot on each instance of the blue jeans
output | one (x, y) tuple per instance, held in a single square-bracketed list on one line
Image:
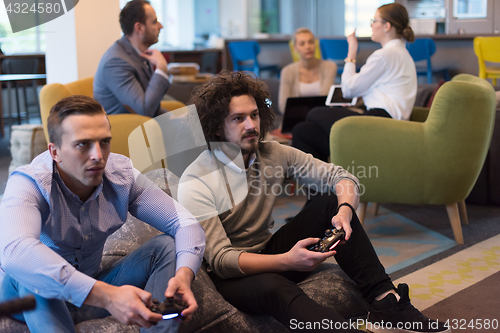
[(150, 267)]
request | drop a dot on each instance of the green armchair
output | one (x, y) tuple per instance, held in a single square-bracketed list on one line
[(432, 160)]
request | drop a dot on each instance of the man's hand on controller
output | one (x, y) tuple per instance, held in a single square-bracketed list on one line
[(128, 304), (156, 58), (179, 287), (343, 220), (299, 258)]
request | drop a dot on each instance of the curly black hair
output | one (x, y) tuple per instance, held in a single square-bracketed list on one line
[(212, 102)]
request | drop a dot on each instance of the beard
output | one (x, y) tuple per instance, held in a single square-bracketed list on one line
[(150, 39), (249, 149)]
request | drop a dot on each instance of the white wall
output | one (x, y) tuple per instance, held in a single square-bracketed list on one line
[(77, 40), (60, 55)]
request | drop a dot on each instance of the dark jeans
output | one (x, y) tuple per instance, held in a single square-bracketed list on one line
[(278, 294), (313, 135)]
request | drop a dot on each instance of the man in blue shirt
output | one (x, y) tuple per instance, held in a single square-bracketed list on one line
[(57, 213)]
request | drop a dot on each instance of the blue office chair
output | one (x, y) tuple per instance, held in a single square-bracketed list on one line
[(335, 50), (423, 49), (244, 58)]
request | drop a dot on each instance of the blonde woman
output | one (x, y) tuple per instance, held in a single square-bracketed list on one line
[(309, 76)]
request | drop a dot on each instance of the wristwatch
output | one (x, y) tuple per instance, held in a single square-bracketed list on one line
[(350, 60)]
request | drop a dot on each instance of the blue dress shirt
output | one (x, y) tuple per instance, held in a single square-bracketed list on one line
[(52, 242)]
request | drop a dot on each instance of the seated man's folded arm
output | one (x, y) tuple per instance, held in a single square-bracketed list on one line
[(121, 80)]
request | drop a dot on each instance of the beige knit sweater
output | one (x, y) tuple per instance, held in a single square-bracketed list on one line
[(237, 217)]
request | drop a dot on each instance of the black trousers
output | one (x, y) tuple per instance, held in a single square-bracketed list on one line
[(313, 135), (278, 294)]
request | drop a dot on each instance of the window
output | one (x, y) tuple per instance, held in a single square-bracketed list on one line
[(26, 41), (323, 17), (358, 14), (206, 21), (469, 9)]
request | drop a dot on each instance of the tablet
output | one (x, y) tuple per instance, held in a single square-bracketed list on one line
[(335, 97)]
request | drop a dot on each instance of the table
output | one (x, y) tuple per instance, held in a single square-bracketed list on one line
[(194, 55), (197, 78), (13, 78)]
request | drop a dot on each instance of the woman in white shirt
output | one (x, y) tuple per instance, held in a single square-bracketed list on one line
[(387, 82), (309, 76)]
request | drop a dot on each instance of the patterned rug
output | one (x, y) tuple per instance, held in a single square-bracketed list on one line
[(446, 277), (398, 241)]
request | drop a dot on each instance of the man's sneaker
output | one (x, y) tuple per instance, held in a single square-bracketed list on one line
[(389, 315)]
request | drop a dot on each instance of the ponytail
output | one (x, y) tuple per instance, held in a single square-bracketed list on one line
[(397, 15), (408, 34)]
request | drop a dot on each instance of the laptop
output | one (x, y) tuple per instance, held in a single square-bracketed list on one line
[(296, 110)]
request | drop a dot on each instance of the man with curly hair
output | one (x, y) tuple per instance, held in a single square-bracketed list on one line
[(231, 189)]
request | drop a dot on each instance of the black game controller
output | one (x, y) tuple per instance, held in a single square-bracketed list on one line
[(170, 308), (331, 239)]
